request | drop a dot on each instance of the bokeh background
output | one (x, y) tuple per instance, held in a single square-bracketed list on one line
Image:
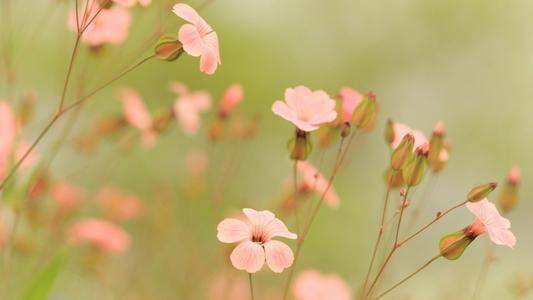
[(467, 63)]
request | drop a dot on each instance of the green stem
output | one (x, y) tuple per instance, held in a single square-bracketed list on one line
[(251, 286)]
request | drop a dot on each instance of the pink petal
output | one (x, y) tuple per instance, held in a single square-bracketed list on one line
[(232, 230), (277, 228), (258, 217), (281, 109), (191, 40), (187, 13), (278, 256), (248, 256), (500, 236)]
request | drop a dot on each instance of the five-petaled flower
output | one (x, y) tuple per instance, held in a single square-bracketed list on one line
[(488, 220), (306, 109), (255, 241), (198, 38)]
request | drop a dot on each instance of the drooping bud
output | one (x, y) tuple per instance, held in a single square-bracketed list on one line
[(300, 146), (403, 152), (168, 48), (365, 112), (508, 196), (389, 131), (436, 144), (481, 192), (413, 171), (345, 129), (393, 178), (453, 245)]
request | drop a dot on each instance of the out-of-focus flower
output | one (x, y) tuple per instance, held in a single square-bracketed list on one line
[(312, 285), (137, 115), (188, 107), (198, 38), (232, 97), (130, 3), (488, 220), (67, 196), (306, 109), (110, 26), (117, 204), (315, 181), (104, 235), (8, 132), (225, 287), (509, 194), (255, 241), (400, 130), (350, 99)]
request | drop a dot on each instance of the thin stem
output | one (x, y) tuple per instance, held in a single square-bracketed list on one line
[(295, 180), (408, 277), (380, 234), (251, 286), (69, 71)]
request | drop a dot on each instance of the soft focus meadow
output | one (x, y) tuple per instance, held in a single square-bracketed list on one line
[(145, 147)]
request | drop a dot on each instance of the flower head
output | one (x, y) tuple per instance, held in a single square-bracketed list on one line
[(313, 285), (188, 107), (400, 130), (137, 115), (306, 109), (315, 181), (104, 235), (232, 97), (488, 220), (256, 244), (198, 38), (350, 99)]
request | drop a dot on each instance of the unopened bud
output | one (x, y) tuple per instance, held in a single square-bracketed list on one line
[(403, 152), (300, 146), (389, 131), (453, 245), (393, 178), (513, 177), (481, 192), (435, 145), (345, 129), (365, 112), (509, 194), (414, 170), (168, 48)]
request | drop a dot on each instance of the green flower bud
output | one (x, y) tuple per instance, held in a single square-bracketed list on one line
[(365, 112), (436, 144), (413, 171), (403, 152), (453, 245), (300, 146), (168, 48), (389, 131), (481, 192), (393, 178)]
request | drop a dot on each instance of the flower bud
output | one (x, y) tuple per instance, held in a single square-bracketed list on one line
[(109, 125), (365, 112), (414, 170), (345, 129), (435, 145), (452, 245), (389, 131), (508, 196), (403, 152), (393, 178), (300, 146), (481, 192), (168, 48)]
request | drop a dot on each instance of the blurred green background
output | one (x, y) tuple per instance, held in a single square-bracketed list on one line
[(467, 63)]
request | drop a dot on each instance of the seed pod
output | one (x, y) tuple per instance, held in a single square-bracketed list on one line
[(300, 146), (168, 48), (453, 245), (414, 170), (436, 144), (389, 131), (481, 192), (365, 112), (403, 152), (393, 178)]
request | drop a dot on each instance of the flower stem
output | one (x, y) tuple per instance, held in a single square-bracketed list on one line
[(295, 180), (251, 286)]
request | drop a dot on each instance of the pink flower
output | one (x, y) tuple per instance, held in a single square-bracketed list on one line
[(255, 241), (67, 196), (111, 26), (232, 97), (514, 175), (314, 180), (188, 107), (312, 285), (102, 234), (8, 133), (130, 3), (488, 220), (306, 109), (198, 38), (350, 99), (137, 115), (118, 205), (400, 130)]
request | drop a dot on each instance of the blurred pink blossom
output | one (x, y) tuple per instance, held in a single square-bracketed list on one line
[(232, 97), (225, 287), (312, 285), (67, 196), (102, 234), (255, 241), (137, 115), (306, 109), (198, 38), (350, 99), (117, 204), (188, 107), (488, 220), (400, 130), (130, 3), (314, 180), (8, 132)]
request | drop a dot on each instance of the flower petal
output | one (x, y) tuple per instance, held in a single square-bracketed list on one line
[(232, 230), (278, 256), (248, 256), (187, 13), (277, 228), (191, 40)]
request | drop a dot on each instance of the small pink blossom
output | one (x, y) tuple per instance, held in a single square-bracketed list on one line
[(137, 115), (312, 285), (110, 26), (256, 245), (8, 133), (488, 220), (130, 3), (118, 205), (400, 130), (198, 38), (104, 235), (188, 107), (232, 97), (306, 109), (314, 180), (350, 99), (67, 196), (514, 175)]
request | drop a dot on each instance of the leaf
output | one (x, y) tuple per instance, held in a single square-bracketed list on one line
[(43, 284)]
